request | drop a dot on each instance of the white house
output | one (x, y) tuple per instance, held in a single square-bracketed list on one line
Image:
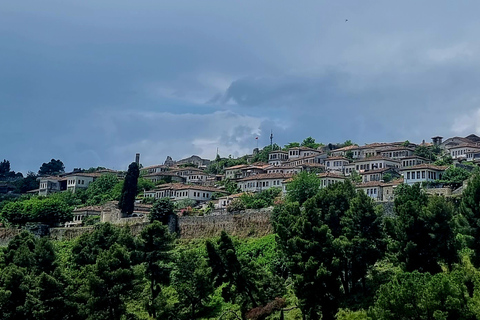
[(422, 173), (277, 157), (462, 151), (336, 164), (77, 181), (378, 174), (179, 191), (260, 182), (51, 184), (413, 161), (397, 153), (300, 152), (328, 178), (234, 172), (154, 169), (376, 162)]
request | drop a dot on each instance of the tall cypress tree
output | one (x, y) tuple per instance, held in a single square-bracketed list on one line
[(129, 191)]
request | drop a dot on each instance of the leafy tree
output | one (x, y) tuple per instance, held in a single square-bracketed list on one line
[(423, 296), (422, 230), (100, 190), (4, 167), (110, 283), (46, 210), (192, 280), (355, 177), (306, 245), (406, 143), (303, 186), (144, 185), (155, 247), (454, 176), (425, 152), (347, 143), (470, 212), (52, 167), (28, 183), (161, 210), (310, 143), (243, 282), (291, 145), (129, 190), (262, 155)]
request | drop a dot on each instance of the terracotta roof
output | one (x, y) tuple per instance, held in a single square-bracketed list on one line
[(397, 148), (347, 148), (55, 178), (238, 166), (330, 175), (336, 158), (304, 149), (416, 157), (465, 145), (262, 176), (425, 166), (278, 151), (154, 166), (375, 158), (377, 171), (162, 174), (88, 208), (82, 174), (181, 186)]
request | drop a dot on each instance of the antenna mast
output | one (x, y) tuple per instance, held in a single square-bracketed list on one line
[(271, 140)]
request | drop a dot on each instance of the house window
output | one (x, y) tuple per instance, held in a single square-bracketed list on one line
[(408, 175), (418, 174)]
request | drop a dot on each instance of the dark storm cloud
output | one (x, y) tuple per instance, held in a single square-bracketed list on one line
[(92, 83)]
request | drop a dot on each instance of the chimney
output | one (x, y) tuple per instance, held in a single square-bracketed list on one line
[(137, 159)]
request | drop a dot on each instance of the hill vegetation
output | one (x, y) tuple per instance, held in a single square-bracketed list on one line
[(334, 255)]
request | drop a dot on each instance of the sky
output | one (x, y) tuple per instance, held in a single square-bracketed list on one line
[(94, 82)]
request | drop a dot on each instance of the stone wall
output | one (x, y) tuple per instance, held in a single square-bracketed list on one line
[(6, 234), (249, 223)]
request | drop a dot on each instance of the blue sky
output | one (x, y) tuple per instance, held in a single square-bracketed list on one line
[(94, 82)]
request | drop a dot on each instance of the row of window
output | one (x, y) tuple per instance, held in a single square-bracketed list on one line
[(72, 182), (422, 175)]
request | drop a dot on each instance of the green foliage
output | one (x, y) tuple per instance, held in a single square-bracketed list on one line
[(426, 152), (52, 167), (302, 187), (291, 145), (424, 296), (155, 248), (262, 155), (162, 209), (219, 164), (262, 199), (100, 190), (422, 230), (310, 143), (129, 190), (355, 177), (46, 210), (144, 185), (244, 283), (192, 280), (454, 176)]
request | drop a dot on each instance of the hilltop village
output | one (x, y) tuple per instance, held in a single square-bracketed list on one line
[(441, 166)]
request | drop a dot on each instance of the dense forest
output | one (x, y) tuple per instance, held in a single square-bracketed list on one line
[(334, 255)]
